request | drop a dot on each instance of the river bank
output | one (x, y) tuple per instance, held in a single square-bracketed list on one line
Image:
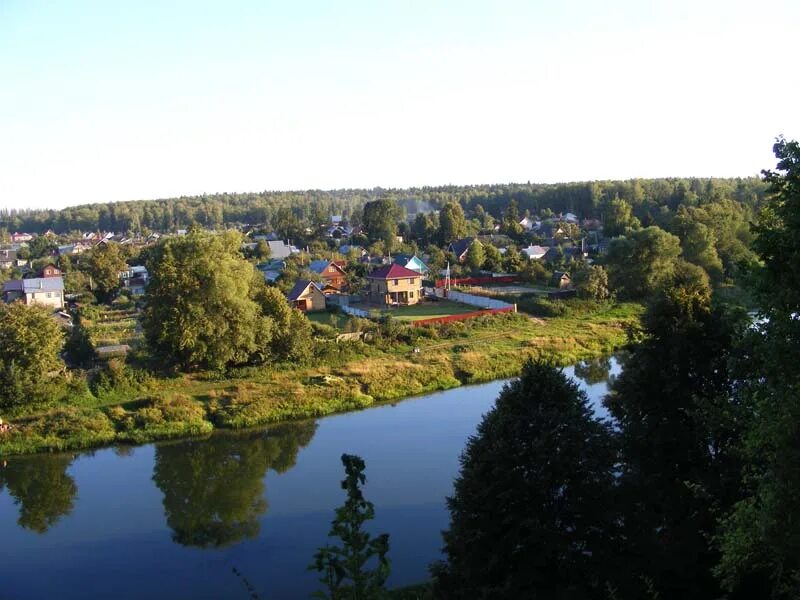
[(357, 377)]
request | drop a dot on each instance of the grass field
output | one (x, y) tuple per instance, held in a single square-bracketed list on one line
[(192, 404), (429, 310)]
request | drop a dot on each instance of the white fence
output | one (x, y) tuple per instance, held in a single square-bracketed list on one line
[(479, 301), (356, 312)]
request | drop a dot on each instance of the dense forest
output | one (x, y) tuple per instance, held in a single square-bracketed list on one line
[(652, 202)]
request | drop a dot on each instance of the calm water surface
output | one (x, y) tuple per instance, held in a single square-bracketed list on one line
[(170, 520)]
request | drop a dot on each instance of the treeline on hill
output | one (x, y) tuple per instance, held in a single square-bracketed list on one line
[(289, 213)]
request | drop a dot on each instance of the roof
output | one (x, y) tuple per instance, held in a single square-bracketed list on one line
[(461, 246), (318, 266), (535, 251), (299, 288), (37, 284), (278, 249), (406, 259), (392, 271)]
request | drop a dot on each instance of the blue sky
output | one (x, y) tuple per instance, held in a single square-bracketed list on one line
[(115, 100)]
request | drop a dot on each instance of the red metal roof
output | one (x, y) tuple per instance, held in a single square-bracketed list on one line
[(393, 272)]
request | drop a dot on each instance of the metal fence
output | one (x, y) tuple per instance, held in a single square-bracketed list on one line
[(356, 312), (479, 301)]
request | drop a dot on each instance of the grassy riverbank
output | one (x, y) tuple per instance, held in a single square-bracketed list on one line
[(353, 376)]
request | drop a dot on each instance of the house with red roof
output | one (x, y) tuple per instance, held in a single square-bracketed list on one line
[(394, 284)]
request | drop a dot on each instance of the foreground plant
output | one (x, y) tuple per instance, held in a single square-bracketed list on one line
[(345, 570)]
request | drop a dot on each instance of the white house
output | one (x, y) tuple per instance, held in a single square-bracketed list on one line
[(535, 252), (41, 290)]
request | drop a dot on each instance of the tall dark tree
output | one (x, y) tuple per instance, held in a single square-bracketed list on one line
[(761, 538), (104, 266), (531, 515), (452, 223), (380, 221), (679, 431), (640, 262), (30, 344)]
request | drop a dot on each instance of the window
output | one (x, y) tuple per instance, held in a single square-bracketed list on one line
[(397, 282), (331, 270), (410, 294)]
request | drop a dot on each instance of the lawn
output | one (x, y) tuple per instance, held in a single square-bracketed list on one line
[(324, 317), (429, 310)]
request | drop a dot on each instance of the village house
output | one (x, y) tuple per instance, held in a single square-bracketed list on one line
[(461, 247), (333, 275), (306, 296), (134, 280), (393, 285), (535, 252), (47, 291), (18, 237), (8, 259), (561, 279), (279, 249), (51, 270), (413, 262), (271, 269)]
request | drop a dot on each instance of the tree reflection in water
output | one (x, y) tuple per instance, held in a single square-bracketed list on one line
[(594, 371), (214, 488), (41, 488)]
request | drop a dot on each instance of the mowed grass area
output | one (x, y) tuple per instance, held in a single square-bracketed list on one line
[(325, 317), (429, 310), (509, 291)]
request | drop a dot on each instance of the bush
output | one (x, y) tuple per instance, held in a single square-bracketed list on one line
[(159, 418)]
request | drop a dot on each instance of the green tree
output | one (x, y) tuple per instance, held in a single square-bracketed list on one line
[(761, 537), (78, 347), (345, 569), (30, 344), (475, 256), (618, 218), (591, 281), (452, 223), (514, 261), (531, 515), (641, 261), (289, 337), (511, 226), (380, 222), (104, 265), (493, 260), (199, 310), (678, 432), (698, 243)]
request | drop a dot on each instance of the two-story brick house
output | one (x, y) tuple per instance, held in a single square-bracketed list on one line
[(394, 284)]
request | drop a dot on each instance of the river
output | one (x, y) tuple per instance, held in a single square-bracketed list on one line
[(171, 520)]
